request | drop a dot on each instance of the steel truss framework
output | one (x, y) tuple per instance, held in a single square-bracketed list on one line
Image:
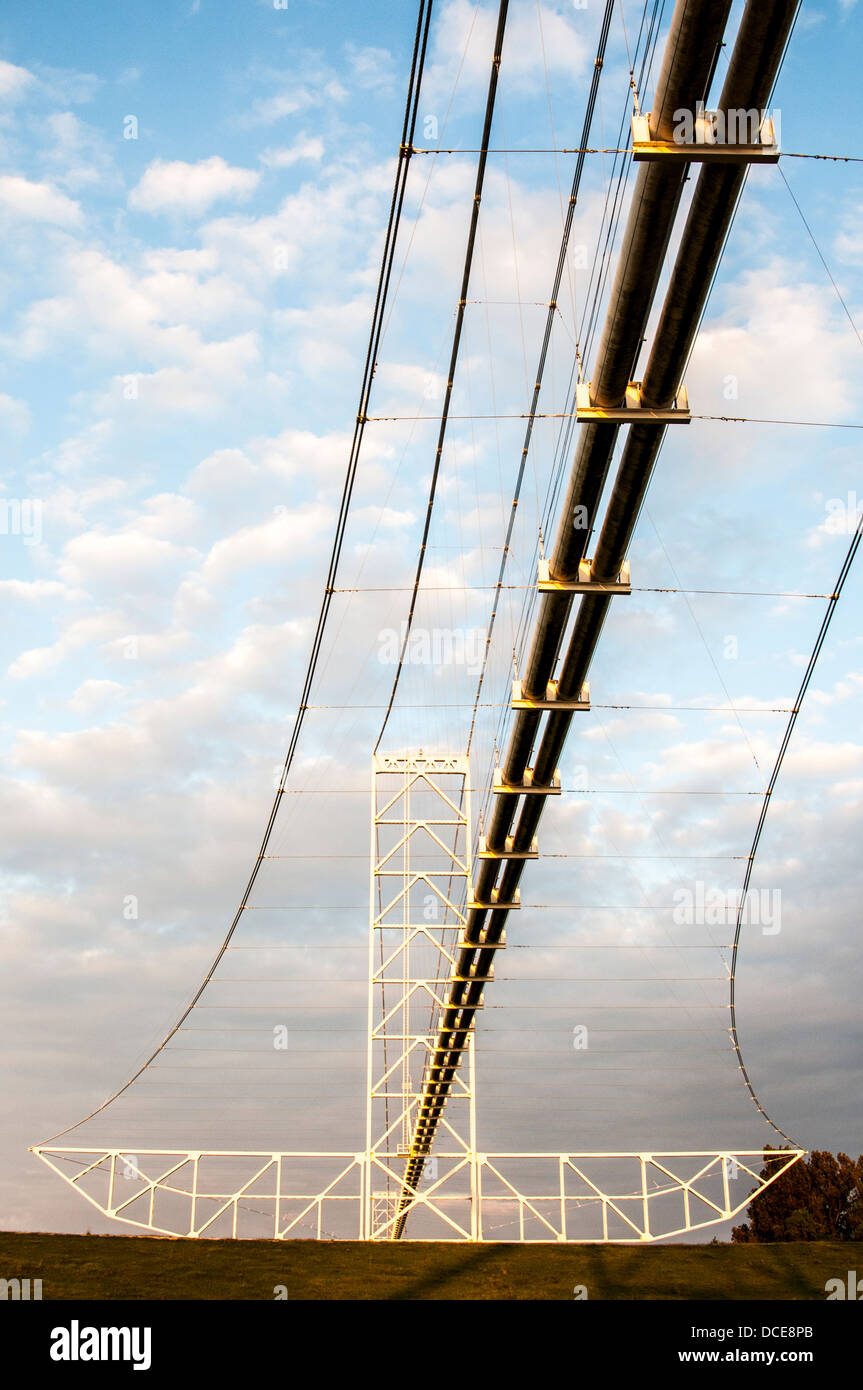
[(420, 891), (420, 886), (533, 1198)]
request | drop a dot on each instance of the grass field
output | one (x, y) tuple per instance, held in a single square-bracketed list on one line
[(144, 1267)]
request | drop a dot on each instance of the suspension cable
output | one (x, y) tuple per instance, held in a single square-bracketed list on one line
[(816, 651)]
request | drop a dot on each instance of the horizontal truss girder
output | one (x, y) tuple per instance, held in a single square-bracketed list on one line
[(546, 1203)]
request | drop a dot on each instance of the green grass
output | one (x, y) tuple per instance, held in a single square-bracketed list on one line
[(144, 1267)]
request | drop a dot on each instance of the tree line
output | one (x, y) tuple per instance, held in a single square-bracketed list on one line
[(818, 1198)]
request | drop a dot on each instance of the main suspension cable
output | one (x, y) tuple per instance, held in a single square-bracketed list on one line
[(816, 651)]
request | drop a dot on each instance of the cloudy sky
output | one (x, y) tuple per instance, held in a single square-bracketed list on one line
[(193, 199)]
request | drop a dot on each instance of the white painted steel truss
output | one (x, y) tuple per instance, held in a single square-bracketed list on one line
[(577, 1198), (420, 888), (420, 884)]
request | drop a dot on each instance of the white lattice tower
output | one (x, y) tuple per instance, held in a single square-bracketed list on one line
[(419, 885)]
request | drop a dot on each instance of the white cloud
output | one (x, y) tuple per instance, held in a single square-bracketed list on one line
[(13, 81), (774, 316), (190, 261), (371, 67), (78, 155), (849, 239), (37, 202), (850, 685), (66, 86), (81, 633), (200, 385), (225, 471), (124, 559), (250, 663), (305, 147), (80, 451), (288, 533), (32, 590), (464, 33), (315, 233), (299, 452), (121, 753), (14, 415), (103, 303), (268, 110), (168, 516), (274, 466), (93, 695), (105, 308), (174, 186), (185, 296), (386, 518)]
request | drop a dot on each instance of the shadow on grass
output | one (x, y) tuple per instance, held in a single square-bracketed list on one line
[(438, 1281)]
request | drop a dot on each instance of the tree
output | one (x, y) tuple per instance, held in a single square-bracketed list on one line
[(817, 1198)]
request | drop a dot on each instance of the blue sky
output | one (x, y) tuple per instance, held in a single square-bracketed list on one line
[(184, 316)]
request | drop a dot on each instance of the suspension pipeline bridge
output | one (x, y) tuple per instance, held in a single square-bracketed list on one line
[(424, 1054)]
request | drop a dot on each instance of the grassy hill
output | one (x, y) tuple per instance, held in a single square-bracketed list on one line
[(145, 1267)]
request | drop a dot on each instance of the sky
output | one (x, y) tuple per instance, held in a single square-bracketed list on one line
[(193, 200)]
